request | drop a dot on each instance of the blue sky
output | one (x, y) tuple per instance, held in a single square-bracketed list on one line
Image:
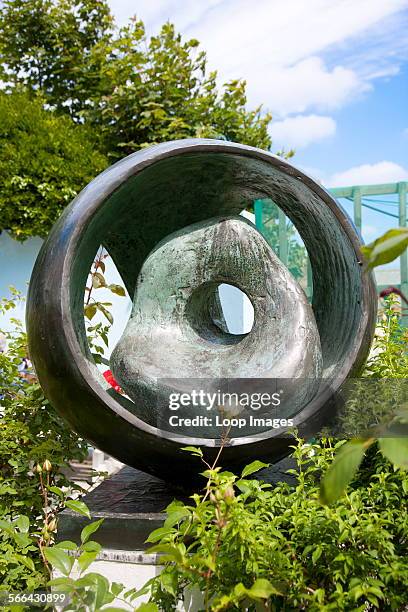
[(371, 131)]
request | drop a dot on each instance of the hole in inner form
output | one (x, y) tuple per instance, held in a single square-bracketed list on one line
[(220, 313), (232, 310)]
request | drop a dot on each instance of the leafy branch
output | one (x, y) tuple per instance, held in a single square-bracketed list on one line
[(96, 280)]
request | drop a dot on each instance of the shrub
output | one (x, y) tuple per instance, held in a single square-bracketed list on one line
[(382, 388), (244, 543), (45, 160)]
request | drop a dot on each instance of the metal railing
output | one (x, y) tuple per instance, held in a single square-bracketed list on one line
[(266, 211)]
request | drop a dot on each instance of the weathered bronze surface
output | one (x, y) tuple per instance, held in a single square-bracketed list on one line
[(137, 204)]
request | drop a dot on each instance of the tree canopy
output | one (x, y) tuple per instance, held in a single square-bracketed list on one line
[(52, 46), (79, 92), (136, 90)]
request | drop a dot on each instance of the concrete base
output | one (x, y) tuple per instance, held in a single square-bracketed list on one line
[(132, 505)]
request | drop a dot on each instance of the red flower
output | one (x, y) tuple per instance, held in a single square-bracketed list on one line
[(108, 376)]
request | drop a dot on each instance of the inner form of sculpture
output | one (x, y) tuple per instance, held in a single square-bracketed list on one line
[(169, 217), (172, 334)]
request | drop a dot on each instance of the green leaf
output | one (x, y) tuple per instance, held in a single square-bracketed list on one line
[(59, 560), (57, 491), (210, 563), (342, 470), (90, 311), (117, 289), (85, 559), (29, 563), (92, 546), (78, 506), (22, 539), (97, 582), (176, 516), (102, 590), (63, 582), (105, 312), (117, 588), (262, 589), (316, 554), (90, 529), (66, 545), (386, 248), (85, 581), (23, 523), (395, 450), (169, 552), (6, 526), (158, 534), (253, 467), (134, 593), (194, 450), (147, 607), (169, 582)]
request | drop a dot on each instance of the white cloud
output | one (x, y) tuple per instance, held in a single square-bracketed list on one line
[(284, 33), (366, 174), (156, 12), (307, 84), (301, 130)]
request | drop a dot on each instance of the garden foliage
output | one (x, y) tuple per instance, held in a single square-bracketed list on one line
[(246, 545), (244, 542), (45, 160), (382, 388), (388, 361), (35, 445)]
